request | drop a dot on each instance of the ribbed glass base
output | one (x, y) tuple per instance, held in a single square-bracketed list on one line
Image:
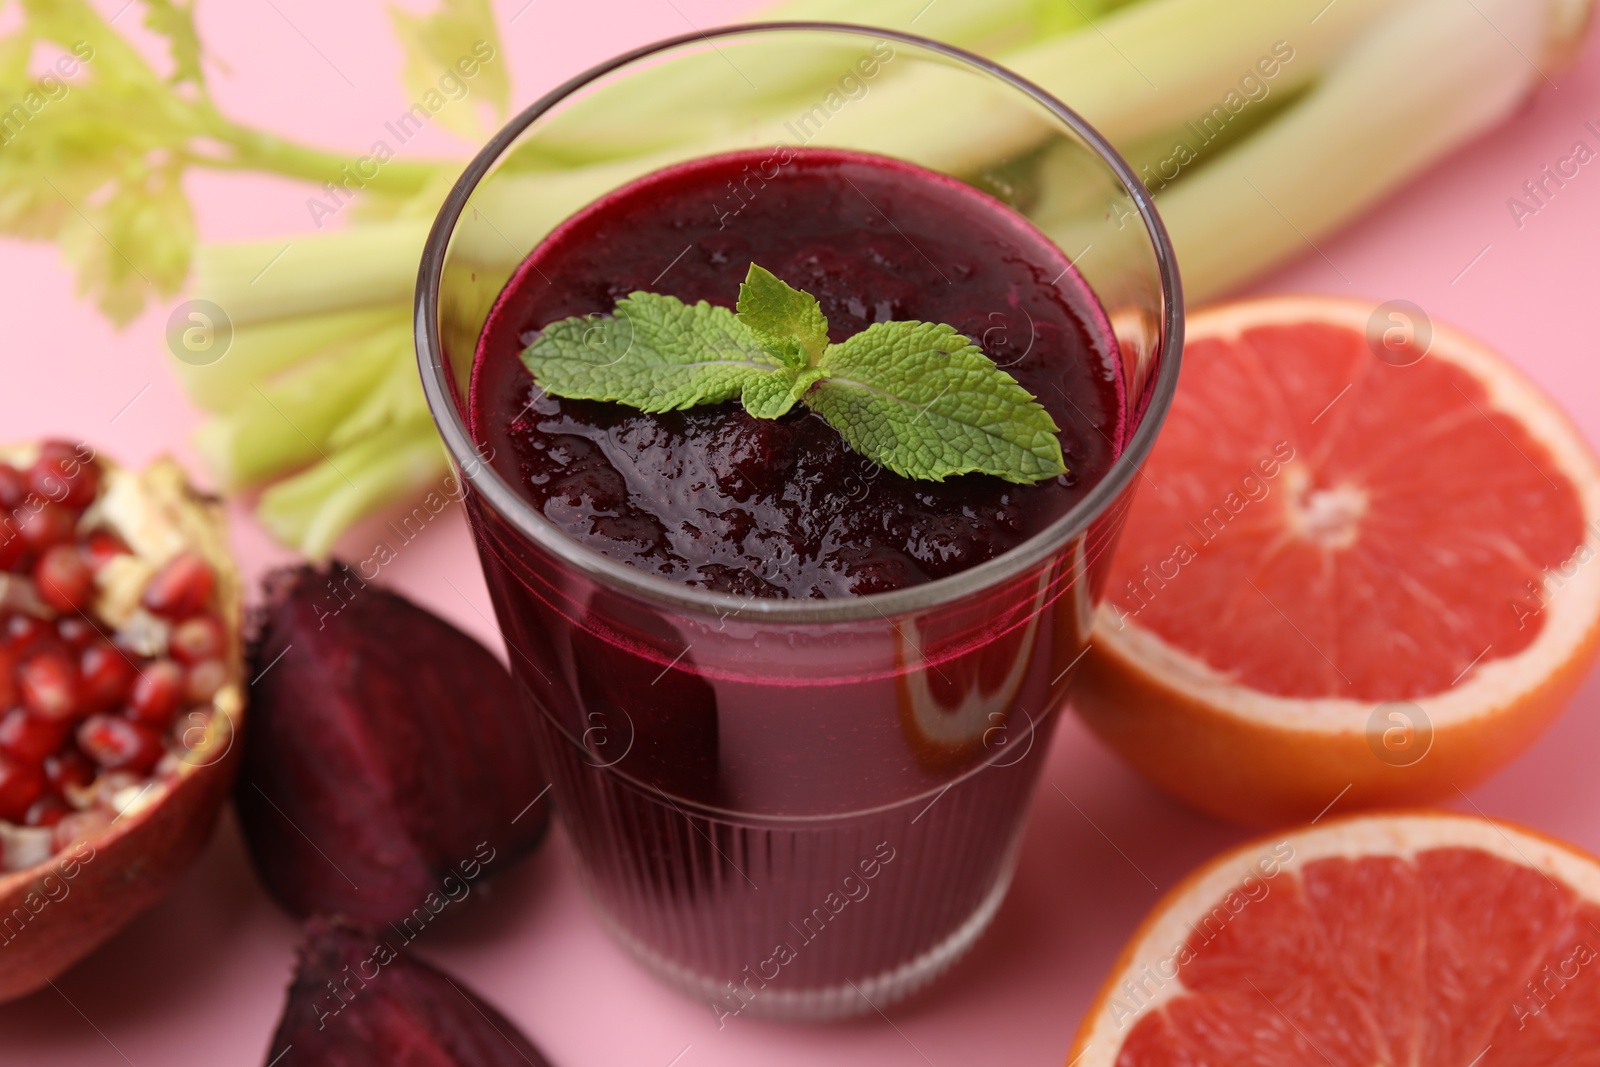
[(829, 1003)]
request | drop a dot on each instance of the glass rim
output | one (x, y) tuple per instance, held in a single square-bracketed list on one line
[(437, 388)]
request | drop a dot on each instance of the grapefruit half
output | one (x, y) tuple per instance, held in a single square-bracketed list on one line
[(1361, 566), (1425, 940)]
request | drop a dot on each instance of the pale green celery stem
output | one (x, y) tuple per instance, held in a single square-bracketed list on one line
[(68, 21), (260, 150), (377, 264), (1072, 182), (1140, 70), (666, 104), (290, 422), (260, 350), (1137, 72), (311, 509), (1429, 78), (1155, 151), (396, 397), (358, 267)]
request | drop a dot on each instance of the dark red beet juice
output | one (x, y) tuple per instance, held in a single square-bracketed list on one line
[(785, 815)]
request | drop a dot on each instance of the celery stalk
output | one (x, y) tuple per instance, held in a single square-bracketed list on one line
[(1377, 118), (311, 509), (1138, 71), (662, 106), (355, 268), (1074, 187), (261, 350), (395, 398), (290, 422), (376, 263)]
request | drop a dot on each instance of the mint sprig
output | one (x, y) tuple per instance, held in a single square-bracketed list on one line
[(918, 398)]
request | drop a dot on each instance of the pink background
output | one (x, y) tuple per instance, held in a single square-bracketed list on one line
[(200, 979)]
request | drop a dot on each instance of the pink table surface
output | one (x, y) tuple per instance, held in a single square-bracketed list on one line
[(200, 978)]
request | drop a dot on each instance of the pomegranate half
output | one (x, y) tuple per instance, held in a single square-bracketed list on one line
[(120, 696)]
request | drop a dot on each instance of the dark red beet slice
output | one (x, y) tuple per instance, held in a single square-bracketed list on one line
[(389, 752), (358, 999)]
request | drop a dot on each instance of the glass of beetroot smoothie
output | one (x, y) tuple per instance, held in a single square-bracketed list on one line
[(795, 705)]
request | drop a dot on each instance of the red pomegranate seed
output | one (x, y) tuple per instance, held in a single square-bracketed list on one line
[(25, 632), (52, 524), (118, 744), (47, 811), (20, 785), (205, 678), (12, 547), (13, 486), (157, 693), (64, 578), (181, 588), (101, 547), (8, 680), (62, 475), (107, 676), (76, 632), (69, 767), (48, 679), (196, 639), (29, 738)]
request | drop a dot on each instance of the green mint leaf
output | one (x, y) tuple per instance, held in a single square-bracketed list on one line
[(785, 319), (772, 395), (922, 400), (916, 397), (655, 354)]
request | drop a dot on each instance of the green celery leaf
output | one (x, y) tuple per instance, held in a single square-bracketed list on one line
[(96, 161), (924, 401), (655, 354), (175, 22), (787, 320), (440, 49), (138, 239)]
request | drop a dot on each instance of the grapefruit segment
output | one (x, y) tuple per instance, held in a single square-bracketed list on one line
[(1344, 573), (1416, 940)]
